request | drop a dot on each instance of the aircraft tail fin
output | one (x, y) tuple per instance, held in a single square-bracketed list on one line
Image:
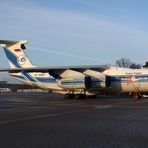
[(17, 58), (14, 51)]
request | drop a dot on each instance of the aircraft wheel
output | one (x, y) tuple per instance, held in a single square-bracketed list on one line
[(83, 96), (69, 96), (80, 96), (92, 97)]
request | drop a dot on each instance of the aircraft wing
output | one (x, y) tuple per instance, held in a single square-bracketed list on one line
[(56, 71)]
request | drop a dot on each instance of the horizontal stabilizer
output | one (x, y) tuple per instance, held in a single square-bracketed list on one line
[(10, 42)]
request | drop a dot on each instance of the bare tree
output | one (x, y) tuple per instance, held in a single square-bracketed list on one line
[(135, 66), (123, 62)]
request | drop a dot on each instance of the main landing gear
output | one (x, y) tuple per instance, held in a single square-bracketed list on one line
[(69, 96), (74, 96), (78, 96)]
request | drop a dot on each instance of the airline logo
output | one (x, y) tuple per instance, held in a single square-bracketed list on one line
[(22, 59), (17, 50), (132, 79)]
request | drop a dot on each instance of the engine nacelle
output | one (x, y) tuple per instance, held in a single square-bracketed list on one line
[(83, 82), (98, 82)]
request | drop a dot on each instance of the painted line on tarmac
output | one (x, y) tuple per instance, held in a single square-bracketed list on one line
[(123, 105), (129, 103), (92, 103), (71, 104), (102, 106), (137, 107), (40, 117)]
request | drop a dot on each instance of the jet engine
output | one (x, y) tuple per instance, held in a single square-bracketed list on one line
[(83, 82)]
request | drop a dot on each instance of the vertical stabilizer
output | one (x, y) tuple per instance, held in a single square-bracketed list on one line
[(17, 58), (15, 53)]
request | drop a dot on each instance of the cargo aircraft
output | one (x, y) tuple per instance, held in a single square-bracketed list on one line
[(73, 81)]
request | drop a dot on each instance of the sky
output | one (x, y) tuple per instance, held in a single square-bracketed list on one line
[(77, 32)]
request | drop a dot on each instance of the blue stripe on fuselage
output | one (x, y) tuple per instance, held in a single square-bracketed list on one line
[(125, 78), (28, 76), (17, 76), (12, 57), (46, 79), (43, 80)]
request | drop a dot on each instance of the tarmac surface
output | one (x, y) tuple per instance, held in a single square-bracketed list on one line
[(40, 120)]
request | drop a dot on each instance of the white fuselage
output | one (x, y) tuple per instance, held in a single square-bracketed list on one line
[(128, 80), (75, 79), (121, 80)]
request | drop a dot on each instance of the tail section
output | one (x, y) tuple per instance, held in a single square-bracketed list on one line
[(17, 58), (14, 51)]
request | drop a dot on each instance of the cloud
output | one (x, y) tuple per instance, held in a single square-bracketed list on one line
[(72, 33), (65, 54)]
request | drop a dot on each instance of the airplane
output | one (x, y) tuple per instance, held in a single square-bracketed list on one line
[(73, 81)]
